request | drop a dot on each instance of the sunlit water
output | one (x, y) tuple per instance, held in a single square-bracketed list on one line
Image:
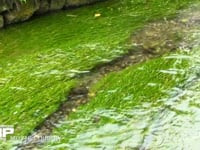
[(168, 123), (171, 123)]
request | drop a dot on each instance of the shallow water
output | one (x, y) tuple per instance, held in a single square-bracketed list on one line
[(168, 123), (171, 123), (62, 53)]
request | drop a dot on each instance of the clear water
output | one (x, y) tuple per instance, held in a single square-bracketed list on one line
[(170, 123)]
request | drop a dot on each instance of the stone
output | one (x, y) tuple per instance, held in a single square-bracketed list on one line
[(14, 11), (21, 11), (1, 21), (56, 4), (4, 5), (44, 7), (75, 3)]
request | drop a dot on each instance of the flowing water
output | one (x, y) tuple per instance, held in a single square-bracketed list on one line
[(169, 123), (172, 122)]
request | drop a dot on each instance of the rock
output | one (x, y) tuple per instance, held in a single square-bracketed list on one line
[(44, 7), (79, 90), (78, 93), (56, 4), (21, 11), (1, 21), (4, 5), (160, 37), (75, 3)]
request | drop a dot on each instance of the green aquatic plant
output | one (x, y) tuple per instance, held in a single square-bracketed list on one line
[(40, 58)]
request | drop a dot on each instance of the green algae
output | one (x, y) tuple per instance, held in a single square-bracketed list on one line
[(38, 57)]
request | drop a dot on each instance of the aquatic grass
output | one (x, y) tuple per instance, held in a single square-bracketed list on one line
[(118, 96), (40, 57), (118, 20), (143, 106), (28, 82), (143, 83)]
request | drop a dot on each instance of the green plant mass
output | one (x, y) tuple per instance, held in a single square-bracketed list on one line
[(44, 58)]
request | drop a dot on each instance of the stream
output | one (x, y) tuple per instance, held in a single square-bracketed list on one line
[(55, 63)]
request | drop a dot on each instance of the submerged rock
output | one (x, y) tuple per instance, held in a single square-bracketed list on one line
[(160, 37)]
